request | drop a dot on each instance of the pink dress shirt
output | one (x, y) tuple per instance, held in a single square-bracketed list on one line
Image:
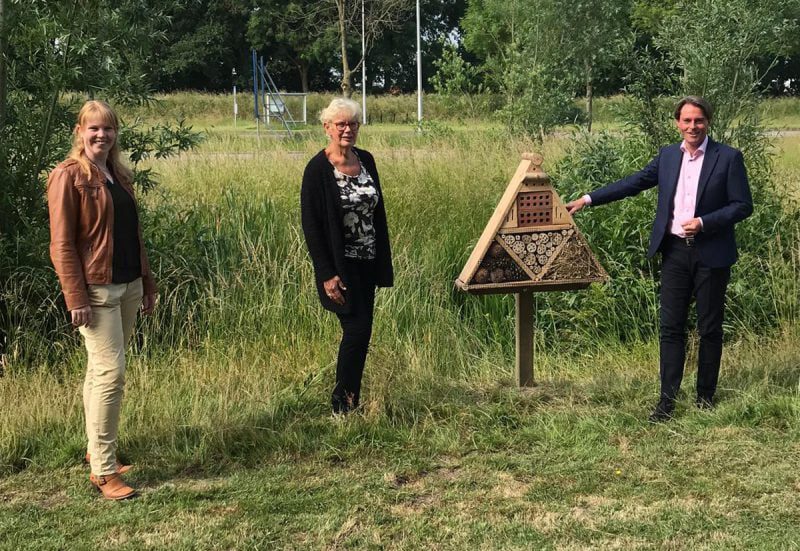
[(685, 198)]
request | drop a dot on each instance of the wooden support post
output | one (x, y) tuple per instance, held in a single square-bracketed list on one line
[(524, 302)]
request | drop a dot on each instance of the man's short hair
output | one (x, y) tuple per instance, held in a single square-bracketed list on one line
[(698, 102)]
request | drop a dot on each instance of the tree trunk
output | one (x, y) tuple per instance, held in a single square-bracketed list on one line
[(302, 68), (347, 86), (3, 56), (589, 97)]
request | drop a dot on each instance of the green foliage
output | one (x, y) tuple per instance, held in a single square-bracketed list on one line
[(529, 53), (300, 34), (454, 76), (204, 41), (457, 82), (648, 15), (648, 105), (489, 26), (716, 46), (605, 40), (618, 233), (52, 62), (536, 100), (159, 142)]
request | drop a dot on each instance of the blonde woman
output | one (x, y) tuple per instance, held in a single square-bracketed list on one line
[(97, 251), (344, 222)]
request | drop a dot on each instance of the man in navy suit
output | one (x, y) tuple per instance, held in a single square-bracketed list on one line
[(702, 193)]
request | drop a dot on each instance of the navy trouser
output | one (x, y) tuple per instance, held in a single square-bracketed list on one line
[(683, 277), (356, 334)]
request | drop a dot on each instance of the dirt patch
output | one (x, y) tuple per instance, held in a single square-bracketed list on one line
[(447, 473), (618, 542), (421, 491), (414, 506)]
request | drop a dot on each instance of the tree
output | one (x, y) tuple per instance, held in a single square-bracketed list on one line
[(572, 42), (457, 81), (392, 60), (490, 26), (52, 48), (282, 31), (522, 60), (592, 37), (380, 16), (717, 46), (204, 42)]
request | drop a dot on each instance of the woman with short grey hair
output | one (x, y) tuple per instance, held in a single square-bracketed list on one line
[(344, 223)]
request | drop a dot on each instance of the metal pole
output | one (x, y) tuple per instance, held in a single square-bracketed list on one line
[(363, 69), (255, 87), (419, 72), (305, 108), (235, 105), (264, 98)]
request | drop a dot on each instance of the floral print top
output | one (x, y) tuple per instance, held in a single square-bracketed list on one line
[(359, 198)]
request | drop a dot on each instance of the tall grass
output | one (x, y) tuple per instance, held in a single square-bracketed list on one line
[(238, 359)]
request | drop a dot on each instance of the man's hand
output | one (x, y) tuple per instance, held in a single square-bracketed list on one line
[(148, 304), (81, 316), (692, 227), (333, 288), (576, 205)]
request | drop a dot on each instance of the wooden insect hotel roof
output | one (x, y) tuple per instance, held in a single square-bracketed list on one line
[(531, 242)]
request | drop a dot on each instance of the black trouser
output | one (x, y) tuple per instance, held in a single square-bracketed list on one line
[(683, 277), (356, 333)]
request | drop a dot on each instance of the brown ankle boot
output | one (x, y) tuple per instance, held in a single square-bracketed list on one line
[(112, 486), (121, 469)]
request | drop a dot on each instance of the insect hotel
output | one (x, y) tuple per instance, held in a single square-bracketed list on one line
[(530, 244)]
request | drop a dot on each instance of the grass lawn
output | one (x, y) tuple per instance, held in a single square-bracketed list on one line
[(569, 464)]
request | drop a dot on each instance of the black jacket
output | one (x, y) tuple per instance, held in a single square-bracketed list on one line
[(321, 213)]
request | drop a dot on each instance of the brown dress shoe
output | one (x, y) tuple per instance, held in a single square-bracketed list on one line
[(112, 486), (121, 469)]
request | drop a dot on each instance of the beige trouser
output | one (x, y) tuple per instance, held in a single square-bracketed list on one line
[(114, 309)]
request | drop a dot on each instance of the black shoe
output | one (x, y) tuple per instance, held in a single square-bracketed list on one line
[(704, 402), (344, 404), (663, 411)]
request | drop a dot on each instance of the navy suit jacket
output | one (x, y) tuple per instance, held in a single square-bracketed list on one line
[(723, 198)]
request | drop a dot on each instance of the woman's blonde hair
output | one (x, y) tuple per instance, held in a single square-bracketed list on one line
[(94, 109), (341, 105)]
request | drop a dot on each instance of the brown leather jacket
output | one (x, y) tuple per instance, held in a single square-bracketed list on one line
[(82, 232)]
